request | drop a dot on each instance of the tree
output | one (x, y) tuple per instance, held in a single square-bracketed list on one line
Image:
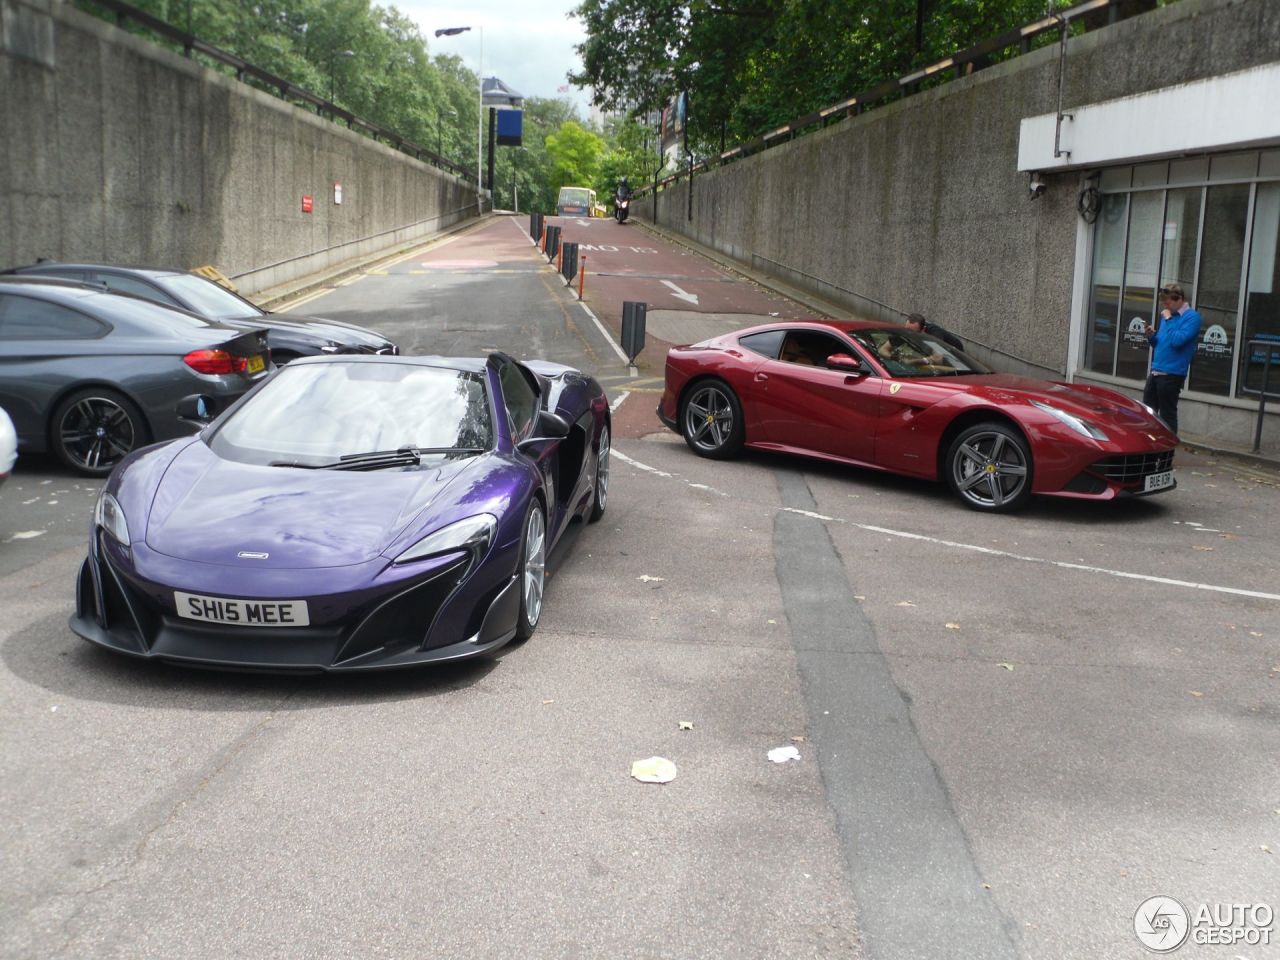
[(751, 65), (575, 154)]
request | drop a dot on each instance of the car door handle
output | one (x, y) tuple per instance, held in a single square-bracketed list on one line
[(762, 377)]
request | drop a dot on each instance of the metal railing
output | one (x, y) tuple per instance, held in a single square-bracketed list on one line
[(962, 63), (285, 89)]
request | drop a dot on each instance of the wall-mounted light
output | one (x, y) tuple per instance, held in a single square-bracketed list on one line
[(1037, 184)]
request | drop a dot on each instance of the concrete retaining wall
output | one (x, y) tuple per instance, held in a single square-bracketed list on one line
[(116, 150), (918, 205)]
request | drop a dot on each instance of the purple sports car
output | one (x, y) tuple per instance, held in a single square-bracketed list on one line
[(351, 513)]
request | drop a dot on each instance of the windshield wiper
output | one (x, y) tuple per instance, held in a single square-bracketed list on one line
[(377, 459)]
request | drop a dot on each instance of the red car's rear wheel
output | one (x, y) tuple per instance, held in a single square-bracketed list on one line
[(711, 420)]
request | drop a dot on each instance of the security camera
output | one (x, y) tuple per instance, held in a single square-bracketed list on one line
[(1036, 185)]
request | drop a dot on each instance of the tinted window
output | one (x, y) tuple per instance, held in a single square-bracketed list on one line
[(207, 298), (810, 349), (521, 400), (138, 288), (905, 353), (25, 318), (766, 343), (315, 413)]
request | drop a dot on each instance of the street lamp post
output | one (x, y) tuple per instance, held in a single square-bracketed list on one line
[(453, 32)]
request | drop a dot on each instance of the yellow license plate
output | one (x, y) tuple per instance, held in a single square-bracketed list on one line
[(256, 363)]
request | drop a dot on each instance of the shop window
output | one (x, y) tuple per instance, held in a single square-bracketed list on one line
[(1108, 272), (1218, 297), (1141, 278), (1262, 295)]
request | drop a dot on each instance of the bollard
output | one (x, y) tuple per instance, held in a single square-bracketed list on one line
[(582, 275), (568, 260), (633, 317), (553, 242)]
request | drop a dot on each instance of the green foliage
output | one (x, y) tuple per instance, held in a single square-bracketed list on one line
[(575, 154), (752, 65), (368, 59)]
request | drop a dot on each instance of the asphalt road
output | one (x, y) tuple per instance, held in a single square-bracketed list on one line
[(1012, 730)]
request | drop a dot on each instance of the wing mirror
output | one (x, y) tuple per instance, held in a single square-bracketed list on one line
[(845, 362), (196, 407), (550, 426)]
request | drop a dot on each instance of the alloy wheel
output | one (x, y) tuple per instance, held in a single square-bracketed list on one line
[(989, 469)]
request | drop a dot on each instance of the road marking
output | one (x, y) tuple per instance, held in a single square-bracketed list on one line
[(603, 332), (956, 545), (617, 401), (677, 292)]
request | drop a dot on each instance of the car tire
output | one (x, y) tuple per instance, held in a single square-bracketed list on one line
[(711, 420), (989, 467), (601, 494), (92, 430), (532, 570)]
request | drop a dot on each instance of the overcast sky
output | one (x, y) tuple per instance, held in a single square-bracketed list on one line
[(529, 46)]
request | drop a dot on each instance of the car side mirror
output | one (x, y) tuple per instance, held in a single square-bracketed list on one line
[(196, 407), (846, 362), (550, 426)]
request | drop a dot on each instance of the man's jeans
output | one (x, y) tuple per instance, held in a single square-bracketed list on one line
[(1161, 395)]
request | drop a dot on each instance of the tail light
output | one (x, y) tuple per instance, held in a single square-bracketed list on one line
[(215, 362)]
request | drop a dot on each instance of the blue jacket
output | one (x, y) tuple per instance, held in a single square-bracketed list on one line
[(1175, 343)]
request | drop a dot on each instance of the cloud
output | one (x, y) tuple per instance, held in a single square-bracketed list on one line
[(528, 47)]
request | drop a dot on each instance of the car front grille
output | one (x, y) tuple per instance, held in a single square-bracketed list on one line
[(1132, 467)]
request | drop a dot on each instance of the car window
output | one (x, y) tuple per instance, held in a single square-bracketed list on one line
[(766, 344), (121, 284), (810, 348), (314, 413), (520, 398), (207, 298), (26, 318), (905, 353), (62, 273)]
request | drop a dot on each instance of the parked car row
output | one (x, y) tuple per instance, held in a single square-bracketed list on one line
[(97, 360)]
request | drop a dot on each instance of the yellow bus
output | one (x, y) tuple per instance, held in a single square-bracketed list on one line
[(577, 202)]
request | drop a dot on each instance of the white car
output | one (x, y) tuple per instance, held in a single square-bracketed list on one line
[(8, 446)]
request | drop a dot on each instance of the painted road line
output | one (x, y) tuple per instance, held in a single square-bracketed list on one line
[(680, 294), (603, 332), (975, 548), (617, 401)]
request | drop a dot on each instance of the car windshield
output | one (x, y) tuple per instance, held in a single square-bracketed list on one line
[(207, 298), (905, 353), (314, 414)]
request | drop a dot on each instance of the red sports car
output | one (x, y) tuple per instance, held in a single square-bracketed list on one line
[(881, 396)]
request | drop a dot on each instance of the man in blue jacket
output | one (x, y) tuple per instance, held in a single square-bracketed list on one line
[(1174, 345)]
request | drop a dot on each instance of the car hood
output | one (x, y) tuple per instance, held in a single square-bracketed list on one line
[(1082, 400), (338, 330), (211, 510)]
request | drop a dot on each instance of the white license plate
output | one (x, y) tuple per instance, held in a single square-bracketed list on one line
[(1158, 481), (242, 613)]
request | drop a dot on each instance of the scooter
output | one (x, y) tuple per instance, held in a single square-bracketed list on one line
[(620, 207)]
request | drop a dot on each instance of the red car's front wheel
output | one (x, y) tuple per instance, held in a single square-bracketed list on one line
[(989, 468), (711, 420)]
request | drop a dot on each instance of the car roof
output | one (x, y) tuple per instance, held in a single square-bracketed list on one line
[(53, 287), (119, 267), (115, 307), (841, 326)]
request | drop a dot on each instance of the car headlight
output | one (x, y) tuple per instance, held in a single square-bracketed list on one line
[(1082, 427), (473, 534), (331, 348), (108, 515)]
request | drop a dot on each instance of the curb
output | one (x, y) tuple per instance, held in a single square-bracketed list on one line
[(275, 297)]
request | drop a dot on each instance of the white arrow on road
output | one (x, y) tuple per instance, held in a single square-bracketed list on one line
[(691, 297)]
